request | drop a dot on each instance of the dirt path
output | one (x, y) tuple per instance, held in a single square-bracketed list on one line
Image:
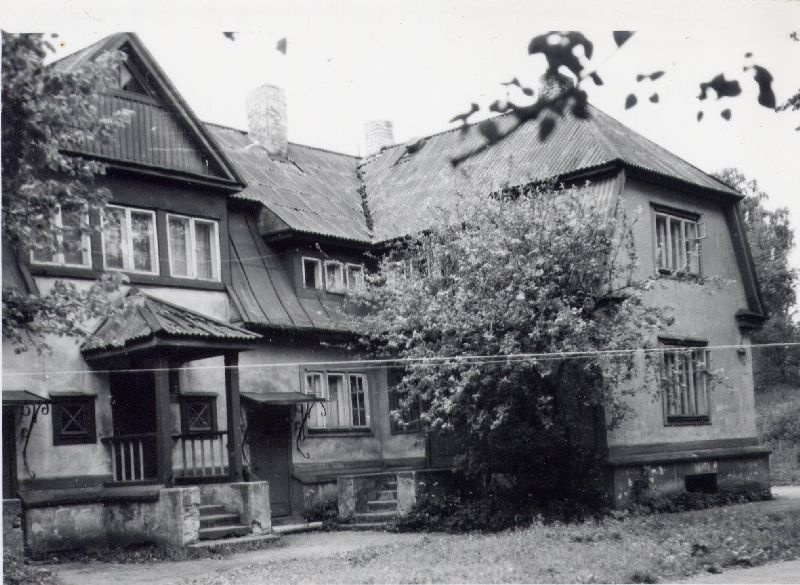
[(786, 572), (293, 546)]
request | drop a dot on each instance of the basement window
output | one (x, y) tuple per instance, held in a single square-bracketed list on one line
[(312, 273)]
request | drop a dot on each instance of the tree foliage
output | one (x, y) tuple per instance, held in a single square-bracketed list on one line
[(771, 242), (540, 284), (48, 115)]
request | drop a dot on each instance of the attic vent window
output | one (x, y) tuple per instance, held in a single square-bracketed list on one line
[(129, 82), (411, 148)]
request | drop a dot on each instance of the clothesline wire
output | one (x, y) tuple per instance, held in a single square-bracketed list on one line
[(365, 364)]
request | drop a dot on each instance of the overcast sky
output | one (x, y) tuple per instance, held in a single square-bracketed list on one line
[(419, 63)]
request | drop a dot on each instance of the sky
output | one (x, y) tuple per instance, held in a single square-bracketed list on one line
[(420, 63)]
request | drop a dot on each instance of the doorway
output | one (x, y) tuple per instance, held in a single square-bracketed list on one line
[(269, 434), (9, 452), (133, 412)]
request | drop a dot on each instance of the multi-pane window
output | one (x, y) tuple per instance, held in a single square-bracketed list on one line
[(193, 247), (198, 413), (312, 273), (334, 276), (677, 242), (73, 242), (409, 414), (129, 240), (685, 383), (346, 400), (73, 420), (355, 276)]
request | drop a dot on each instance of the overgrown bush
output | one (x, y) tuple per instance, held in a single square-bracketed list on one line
[(784, 426), (325, 512), (17, 572)]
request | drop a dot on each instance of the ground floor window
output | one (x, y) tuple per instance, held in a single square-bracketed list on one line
[(73, 419), (346, 400), (685, 382), (198, 413)]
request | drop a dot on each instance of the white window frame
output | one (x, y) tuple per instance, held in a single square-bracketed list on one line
[(317, 271), (686, 384), (127, 251), (663, 257), (341, 289), (344, 408), (58, 257), (359, 284), (191, 258)]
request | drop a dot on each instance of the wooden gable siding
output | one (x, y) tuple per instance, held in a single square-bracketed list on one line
[(154, 138)]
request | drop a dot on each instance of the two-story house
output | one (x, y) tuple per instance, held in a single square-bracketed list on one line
[(239, 247)]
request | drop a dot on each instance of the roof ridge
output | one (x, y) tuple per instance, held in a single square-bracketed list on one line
[(88, 49)]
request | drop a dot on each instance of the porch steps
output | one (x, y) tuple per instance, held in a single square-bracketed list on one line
[(217, 522), (381, 509)]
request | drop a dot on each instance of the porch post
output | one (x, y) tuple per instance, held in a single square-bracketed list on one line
[(234, 415), (163, 423)]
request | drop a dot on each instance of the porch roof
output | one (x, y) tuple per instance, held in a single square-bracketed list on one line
[(21, 398), (147, 319), (281, 398)]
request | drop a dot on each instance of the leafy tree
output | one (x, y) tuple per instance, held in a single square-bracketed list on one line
[(47, 115), (539, 273), (771, 241)]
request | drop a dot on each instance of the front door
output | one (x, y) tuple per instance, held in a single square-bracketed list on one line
[(9, 453), (133, 412), (270, 438)]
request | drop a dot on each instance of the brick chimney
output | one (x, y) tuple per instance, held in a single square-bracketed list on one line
[(266, 119), (377, 134)]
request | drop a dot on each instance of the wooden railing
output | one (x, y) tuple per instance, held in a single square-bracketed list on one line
[(132, 457), (200, 454)]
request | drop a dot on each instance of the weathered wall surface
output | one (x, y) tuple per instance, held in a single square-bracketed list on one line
[(702, 311), (173, 519), (12, 527), (248, 499)]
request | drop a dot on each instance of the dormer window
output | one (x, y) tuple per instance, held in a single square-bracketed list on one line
[(355, 277), (312, 273), (334, 276), (193, 247)]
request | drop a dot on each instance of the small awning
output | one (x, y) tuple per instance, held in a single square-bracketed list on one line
[(279, 398), (21, 398)]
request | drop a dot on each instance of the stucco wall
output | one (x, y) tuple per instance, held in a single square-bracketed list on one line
[(702, 311)]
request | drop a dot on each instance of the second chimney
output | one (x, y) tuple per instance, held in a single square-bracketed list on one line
[(266, 119), (378, 134)]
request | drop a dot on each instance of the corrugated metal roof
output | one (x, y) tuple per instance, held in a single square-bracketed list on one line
[(315, 191), (145, 316), (262, 290), (406, 189)]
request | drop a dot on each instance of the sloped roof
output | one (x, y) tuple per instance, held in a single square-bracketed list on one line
[(145, 317), (404, 188), (315, 191), (262, 291)]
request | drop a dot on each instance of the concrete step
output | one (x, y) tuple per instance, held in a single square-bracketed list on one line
[(374, 516), (227, 519), (211, 509), (387, 495), (232, 542), (217, 532), (365, 526), (294, 528), (378, 505)]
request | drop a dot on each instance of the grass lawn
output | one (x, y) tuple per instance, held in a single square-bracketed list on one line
[(654, 548), (784, 462)]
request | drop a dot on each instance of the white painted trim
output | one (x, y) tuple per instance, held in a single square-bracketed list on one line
[(127, 250), (317, 272), (191, 256)]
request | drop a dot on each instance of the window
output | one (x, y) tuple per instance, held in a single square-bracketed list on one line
[(355, 277), (129, 240), (74, 243), (346, 400), (334, 276), (409, 415), (198, 413), (73, 420), (678, 243), (193, 247), (312, 273), (685, 383)]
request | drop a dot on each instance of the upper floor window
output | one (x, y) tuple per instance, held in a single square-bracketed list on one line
[(129, 240), (355, 277), (678, 239), (193, 247), (312, 273), (74, 243), (685, 383), (346, 400), (334, 276)]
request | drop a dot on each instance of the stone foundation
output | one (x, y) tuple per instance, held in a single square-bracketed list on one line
[(12, 527), (173, 519)]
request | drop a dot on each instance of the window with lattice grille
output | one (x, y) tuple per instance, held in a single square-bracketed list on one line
[(73, 420)]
